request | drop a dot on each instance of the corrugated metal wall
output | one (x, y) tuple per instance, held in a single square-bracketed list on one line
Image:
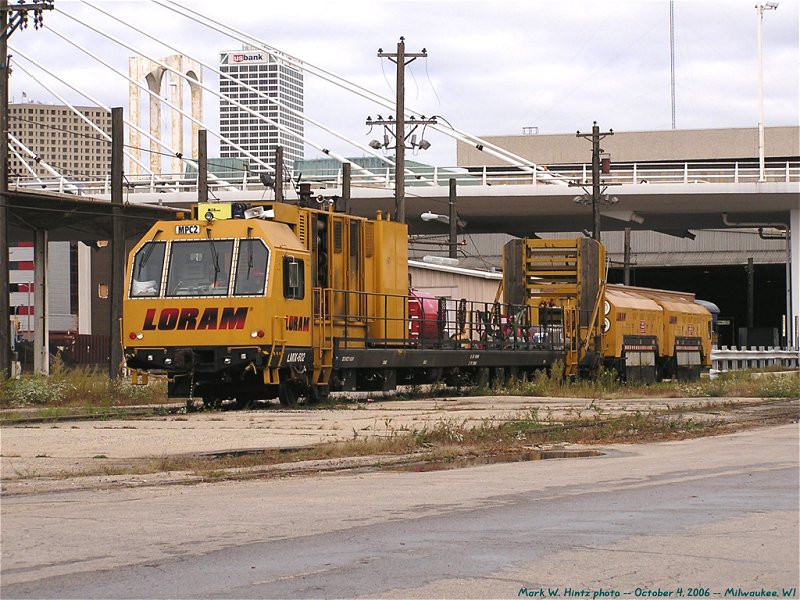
[(648, 248)]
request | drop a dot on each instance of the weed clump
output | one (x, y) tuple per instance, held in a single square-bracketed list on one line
[(76, 387)]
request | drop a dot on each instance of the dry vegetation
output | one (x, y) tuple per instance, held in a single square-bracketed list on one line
[(449, 442)]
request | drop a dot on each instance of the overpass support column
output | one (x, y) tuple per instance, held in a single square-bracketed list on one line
[(793, 333), (41, 325)]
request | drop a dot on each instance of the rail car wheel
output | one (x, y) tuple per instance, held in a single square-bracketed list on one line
[(287, 393), (319, 393)]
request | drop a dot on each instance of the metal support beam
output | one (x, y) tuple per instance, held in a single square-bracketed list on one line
[(750, 293), (41, 326), (793, 333), (453, 217), (626, 254), (117, 243)]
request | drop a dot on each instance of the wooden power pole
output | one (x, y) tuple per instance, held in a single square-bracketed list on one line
[(11, 18)]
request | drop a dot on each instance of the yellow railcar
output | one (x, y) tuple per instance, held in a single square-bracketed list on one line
[(633, 334), (643, 334), (687, 332), (231, 303)]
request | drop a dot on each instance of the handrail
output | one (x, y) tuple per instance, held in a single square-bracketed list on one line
[(631, 173)]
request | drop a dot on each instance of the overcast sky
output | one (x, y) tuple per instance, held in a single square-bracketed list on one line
[(493, 67)]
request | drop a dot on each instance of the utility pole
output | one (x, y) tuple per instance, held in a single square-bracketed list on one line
[(401, 58), (597, 194), (672, 57), (117, 242), (760, 8), (11, 18), (279, 174)]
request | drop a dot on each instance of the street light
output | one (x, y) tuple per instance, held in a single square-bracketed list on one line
[(451, 219), (429, 216), (760, 8)]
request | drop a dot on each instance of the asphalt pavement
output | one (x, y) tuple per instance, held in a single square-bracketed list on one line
[(712, 515)]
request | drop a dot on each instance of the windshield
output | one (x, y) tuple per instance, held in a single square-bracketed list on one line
[(199, 268), (147, 266)]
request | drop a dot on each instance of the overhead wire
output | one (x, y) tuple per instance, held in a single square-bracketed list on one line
[(238, 104), (479, 143), (149, 91)]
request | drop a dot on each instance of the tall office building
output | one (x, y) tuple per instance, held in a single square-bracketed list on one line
[(269, 74), (60, 138)]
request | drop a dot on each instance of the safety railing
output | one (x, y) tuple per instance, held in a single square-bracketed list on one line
[(423, 176), (735, 359), (389, 321)]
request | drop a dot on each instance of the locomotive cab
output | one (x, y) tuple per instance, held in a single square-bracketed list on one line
[(221, 306)]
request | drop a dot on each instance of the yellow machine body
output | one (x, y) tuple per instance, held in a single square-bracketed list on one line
[(250, 295)]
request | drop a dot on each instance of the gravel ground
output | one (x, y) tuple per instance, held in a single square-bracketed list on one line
[(52, 450)]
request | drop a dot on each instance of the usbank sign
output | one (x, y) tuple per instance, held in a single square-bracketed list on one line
[(240, 58)]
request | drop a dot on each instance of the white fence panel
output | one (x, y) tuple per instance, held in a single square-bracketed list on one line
[(734, 359)]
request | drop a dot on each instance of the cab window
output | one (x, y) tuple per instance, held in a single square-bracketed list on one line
[(199, 268), (294, 278), (251, 268), (147, 267)]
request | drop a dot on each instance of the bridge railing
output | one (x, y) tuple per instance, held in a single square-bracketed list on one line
[(620, 173), (735, 359)]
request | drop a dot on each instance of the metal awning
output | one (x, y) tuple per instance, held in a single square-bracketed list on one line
[(69, 217)]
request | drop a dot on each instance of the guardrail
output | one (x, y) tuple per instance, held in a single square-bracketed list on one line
[(417, 176), (735, 359)]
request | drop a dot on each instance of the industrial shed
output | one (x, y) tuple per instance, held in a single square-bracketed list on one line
[(453, 281)]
